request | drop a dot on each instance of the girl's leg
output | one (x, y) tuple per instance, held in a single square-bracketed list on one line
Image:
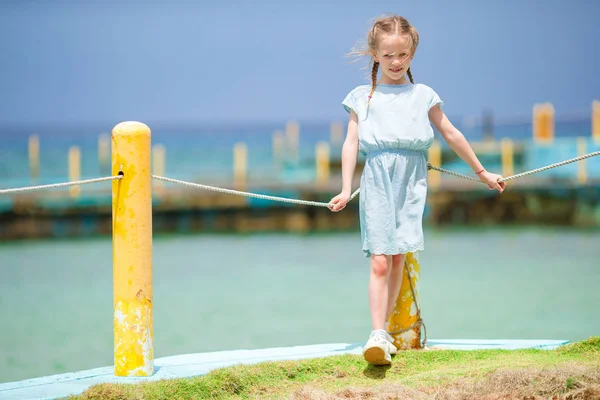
[(379, 347), (394, 282), (378, 289)]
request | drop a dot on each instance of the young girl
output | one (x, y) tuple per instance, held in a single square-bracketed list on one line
[(390, 125)]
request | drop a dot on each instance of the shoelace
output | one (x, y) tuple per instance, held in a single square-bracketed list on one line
[(384, 335)]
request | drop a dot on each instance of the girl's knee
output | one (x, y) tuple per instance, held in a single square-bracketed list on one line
[(398, 260), (379, 265)]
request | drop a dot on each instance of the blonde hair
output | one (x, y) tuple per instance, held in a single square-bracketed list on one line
[(392, 24)]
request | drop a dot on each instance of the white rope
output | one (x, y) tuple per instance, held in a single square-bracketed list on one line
[(319, 204), (508, 178), (559, 164), (429, 166), (247, 194), (58, 185)]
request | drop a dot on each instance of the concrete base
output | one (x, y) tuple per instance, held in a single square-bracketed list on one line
[(187, 365)]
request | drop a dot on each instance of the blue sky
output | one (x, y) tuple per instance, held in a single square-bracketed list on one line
[(193, 61)]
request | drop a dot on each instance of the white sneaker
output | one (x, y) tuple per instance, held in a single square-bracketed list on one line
[(377, 349), (392, 348)]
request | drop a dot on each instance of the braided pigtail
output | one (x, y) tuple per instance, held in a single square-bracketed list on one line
[(410, 77), (373, 80)]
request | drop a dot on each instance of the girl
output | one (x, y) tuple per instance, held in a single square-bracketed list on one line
[(390, 124)]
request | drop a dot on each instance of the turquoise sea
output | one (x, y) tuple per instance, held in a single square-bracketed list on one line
[(225, 292)]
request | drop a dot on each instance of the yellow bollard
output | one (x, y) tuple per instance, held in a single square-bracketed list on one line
[(159, 163), (336, 134), (596, 121), (507, 155), (34, 156), (435, 158), (104, 152), (582, 164), (322, 162), (292, 133), (405, 312), (240, 165), (74, 170), (543, 123), (132, 250), (278, 148)]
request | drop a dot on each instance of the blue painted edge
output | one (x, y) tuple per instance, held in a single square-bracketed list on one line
[(188, 365)]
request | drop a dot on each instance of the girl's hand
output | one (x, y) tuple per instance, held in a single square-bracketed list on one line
[(492, 181), (339, 202)]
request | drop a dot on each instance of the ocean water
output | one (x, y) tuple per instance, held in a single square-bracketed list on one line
[(225, 292)]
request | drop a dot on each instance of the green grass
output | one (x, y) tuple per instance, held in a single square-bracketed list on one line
[(413, 374)]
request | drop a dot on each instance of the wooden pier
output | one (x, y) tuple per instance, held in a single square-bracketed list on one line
[(527, 201)]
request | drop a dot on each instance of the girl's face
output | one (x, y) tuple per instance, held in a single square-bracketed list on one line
[(394, 56)]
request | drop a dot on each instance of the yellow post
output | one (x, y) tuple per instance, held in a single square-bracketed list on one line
[(543, 122), (34, 156), (405, 312), (322, 162), (435, 158), (158, 163), (132, 250), (74, 170), (292, 132), (278, 147), (507, 155), (240, 165), (582, 164), (596, 120), (104, 152)]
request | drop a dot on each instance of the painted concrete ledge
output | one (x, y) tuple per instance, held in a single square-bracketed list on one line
[(187, 365)]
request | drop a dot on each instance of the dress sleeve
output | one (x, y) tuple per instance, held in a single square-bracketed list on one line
[(349, 102), (435, 99)]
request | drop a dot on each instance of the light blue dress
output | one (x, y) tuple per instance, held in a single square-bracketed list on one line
[(394, 133)]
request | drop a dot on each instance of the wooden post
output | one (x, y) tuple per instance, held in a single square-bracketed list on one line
[(596, 121), (278, 148), (240, 166), (322, 162), (292, 133), (543, 123), (158, 163), (74, 170), (507, 155), (435, 158), (34, 156), (582, 164)]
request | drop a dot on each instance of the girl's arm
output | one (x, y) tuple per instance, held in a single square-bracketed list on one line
[(461, 147), (349, 154)]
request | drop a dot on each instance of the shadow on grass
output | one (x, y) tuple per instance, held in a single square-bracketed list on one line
[(376, 371)]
